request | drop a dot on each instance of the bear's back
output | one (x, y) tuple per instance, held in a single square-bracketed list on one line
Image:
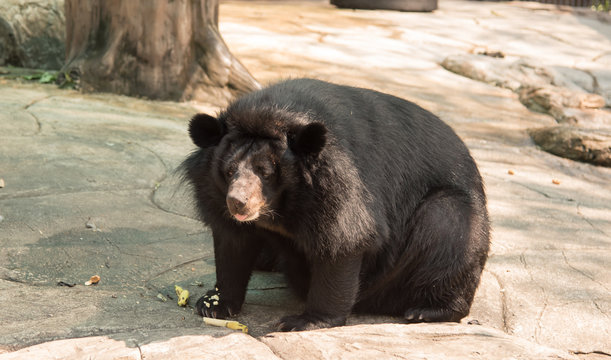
[(400, 151), (384, 135)]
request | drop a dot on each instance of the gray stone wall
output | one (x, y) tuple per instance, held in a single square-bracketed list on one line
[(32, 33)]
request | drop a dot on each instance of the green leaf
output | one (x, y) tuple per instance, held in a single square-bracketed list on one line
[(48, 77), (32, 76)]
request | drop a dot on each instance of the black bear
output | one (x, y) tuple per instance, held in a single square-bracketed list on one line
[(368, 202)]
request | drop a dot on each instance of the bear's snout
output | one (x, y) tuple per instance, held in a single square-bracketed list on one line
[(244, 198), (236, 205)]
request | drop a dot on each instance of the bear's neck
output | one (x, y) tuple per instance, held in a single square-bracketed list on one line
[(273, 227)]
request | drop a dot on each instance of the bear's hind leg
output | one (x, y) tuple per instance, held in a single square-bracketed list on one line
[(433, 315), (447, 249)]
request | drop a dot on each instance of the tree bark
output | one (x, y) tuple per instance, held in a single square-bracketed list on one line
[(158, 49)]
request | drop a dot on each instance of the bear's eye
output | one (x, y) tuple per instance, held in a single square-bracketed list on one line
[(264, 171), (230, 172)]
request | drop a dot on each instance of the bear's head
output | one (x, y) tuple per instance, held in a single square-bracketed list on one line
[(254, 163)]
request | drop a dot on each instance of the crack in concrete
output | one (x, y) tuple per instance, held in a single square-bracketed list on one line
[(537, 191), (122, 252), (109, 241), (160, 206), (597, 352), (542, 192), (158, 182), (28, 278), (566, 200), (597, 306), (13, 280), (10, 276), (147, 284), (36, 101), (566, 260), (159, 158), (32, 228), (38, 123), (545, 298), (588, 221), (546, 33), (504, 306), (27, 107)]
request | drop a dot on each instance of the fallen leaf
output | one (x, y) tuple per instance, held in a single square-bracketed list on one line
[(93, 280)]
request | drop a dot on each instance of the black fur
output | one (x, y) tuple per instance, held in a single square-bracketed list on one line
[(372, 203), (205, 130)]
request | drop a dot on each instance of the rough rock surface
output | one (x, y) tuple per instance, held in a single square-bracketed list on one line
[(571, 95), (159, 345), (32, 33), (593, 146), (394, 341), (541, 88), (382, 341), (69, 159)]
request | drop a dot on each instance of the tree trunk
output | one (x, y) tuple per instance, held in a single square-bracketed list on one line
[(158, 49)]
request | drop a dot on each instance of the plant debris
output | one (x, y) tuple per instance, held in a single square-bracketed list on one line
[(183, 295), (234, 325), (63, 283), (91, 225), (93, 280), (162, 297), (48, 78), (555, 181)]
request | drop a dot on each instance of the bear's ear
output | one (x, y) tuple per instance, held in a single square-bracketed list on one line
[(309, 140), (206, 130)]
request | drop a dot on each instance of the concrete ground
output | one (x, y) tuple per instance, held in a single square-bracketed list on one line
[(88, 189)]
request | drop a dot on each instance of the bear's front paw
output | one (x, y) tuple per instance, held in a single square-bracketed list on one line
[(308, 322), (211, 305)]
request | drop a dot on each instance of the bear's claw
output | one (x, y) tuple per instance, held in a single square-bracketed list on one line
[(211, 305)]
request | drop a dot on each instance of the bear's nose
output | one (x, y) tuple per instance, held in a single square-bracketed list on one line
[(236, 205)]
